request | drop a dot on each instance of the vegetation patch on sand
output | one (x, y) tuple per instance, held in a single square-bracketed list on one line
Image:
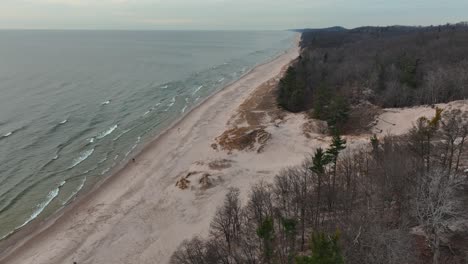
[(248, 125), (244, 138)]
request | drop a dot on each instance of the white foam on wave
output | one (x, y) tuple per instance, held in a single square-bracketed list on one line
[(121, 134), (105, 171), (221, 80), (198, 98), (63, 122), (107, 132), (56, 157), (8, 134), (102, 160), (106, 102), (198, 89), (164, 87), (40, 207), (75, 192), (147, 112), (91, 140), (133, 147), (186, 105), (173, 100), (83, 156)]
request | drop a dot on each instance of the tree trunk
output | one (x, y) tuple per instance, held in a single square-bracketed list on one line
[(319, 189), (435, 257), (460, 150), (450, 160)]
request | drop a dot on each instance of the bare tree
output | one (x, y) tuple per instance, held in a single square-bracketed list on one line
[(435, 205), (226, 222), (453, 131), (190, 252)]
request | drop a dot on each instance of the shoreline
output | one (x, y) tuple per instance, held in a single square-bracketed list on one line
[(24, 245)]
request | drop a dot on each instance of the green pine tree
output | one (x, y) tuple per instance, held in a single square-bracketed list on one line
[(325, 250)]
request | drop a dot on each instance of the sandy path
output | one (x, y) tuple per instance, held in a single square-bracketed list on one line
[(138, 215)]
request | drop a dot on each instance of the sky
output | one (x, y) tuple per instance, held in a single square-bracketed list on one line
[(225, 14)]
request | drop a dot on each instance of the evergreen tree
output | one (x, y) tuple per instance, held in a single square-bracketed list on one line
[(325, 250), (338, 144), (291, 95), (319, 161), (266, 233)]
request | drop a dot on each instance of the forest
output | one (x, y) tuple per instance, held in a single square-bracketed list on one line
[(393, 66), (391, 201)]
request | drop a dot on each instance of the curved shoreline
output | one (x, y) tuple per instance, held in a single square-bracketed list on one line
[(18, 244)]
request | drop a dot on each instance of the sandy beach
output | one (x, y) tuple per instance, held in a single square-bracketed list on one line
[(138, 215)]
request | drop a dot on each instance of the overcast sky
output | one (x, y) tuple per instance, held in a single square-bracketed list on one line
[(225, 14)]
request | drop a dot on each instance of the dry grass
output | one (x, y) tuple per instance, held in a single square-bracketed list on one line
[(247, 127), (220, 164), (244, 138)]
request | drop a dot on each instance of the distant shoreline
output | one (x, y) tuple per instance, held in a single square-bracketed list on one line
[(35, 231)]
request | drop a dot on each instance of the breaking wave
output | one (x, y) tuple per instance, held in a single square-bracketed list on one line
[(198, 89), (83, 156), (107, 132), (40, 207), (66, 201)]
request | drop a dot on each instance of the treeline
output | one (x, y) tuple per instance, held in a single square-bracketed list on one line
[(348, 206), (388, 66)]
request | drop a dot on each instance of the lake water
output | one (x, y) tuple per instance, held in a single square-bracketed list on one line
[(75, 104)]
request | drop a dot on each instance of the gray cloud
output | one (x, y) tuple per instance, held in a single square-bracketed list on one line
[(224, 14)]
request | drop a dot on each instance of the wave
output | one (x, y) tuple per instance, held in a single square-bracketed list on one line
[(40, 207), (91, 140), (66, 201), (102, 160), (198, 89), (133, 147), (198, 98), (63, 122), (165, 87), (173, 100), (221, 80), (84, 155), (106, 102), (105, 171), (121, 134), (107, 132), (13, 132), (186, 105), (151, 109), (71, 139)]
